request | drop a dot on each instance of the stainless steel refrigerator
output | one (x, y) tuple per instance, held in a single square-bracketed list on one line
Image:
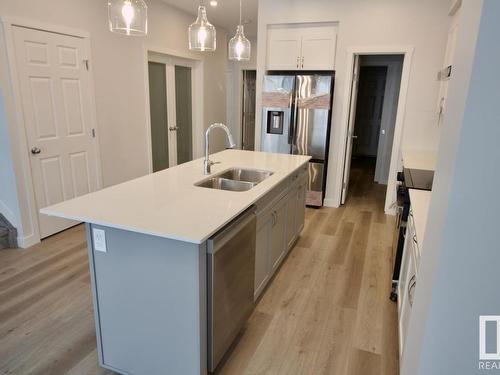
[(296, 120)]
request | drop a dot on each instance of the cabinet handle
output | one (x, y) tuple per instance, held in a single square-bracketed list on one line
[(274, 218), (298, 60), (302, 62), (415, 238), (410, 289), (411, 280)]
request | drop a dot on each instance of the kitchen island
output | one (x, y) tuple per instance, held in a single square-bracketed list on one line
[(148, 241)]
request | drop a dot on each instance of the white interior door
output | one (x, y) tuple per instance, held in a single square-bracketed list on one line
[(56, 99), (350, 128), (389, 112)]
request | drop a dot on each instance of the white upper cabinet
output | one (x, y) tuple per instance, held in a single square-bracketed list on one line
[(283, 52), (318, 48), (301, 47)]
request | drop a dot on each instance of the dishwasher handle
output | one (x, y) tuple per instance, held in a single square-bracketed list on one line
[(228, 232)]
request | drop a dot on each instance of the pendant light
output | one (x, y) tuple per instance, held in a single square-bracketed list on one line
[(239, 45), (201, 32), (129, 17)]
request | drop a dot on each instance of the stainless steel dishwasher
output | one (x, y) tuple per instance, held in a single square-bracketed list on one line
[(230, 286)]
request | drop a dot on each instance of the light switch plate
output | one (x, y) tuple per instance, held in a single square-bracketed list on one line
[(99, 240)]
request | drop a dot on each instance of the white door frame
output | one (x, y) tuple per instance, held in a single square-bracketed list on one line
[(16, 126), (407, 51), (196, 95)]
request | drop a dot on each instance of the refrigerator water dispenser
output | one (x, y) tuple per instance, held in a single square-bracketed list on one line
[(275, 122)]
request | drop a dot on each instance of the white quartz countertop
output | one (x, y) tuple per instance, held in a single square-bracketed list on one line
[(418, 159), (419, 200), (167, 204)]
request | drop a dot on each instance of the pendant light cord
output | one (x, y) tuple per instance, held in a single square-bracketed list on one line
[(240, 12)]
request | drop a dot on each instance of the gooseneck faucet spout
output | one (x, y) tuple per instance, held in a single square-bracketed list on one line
[(207, 163)]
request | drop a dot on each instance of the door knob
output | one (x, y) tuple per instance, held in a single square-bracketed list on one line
[(354, 136), (35, 150), (173, 128)]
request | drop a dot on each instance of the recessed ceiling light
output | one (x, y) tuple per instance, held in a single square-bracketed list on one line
[(213, 3)]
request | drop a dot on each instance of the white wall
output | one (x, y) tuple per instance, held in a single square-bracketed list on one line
[(8, 193), (118, 64), (458, 277), (386, 23)]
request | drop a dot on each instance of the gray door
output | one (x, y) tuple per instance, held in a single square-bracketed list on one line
[(248, 110), (369, 110), (158, 110), (183, 114), (170, 99)]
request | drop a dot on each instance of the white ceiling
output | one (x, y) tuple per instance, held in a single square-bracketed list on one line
[(225, 14)]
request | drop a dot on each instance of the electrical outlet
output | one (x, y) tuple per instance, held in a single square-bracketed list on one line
[(99, 239)]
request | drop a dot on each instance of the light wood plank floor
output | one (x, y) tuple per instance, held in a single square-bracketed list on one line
[(327, 310)]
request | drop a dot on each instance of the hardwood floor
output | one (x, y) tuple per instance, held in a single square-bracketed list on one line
[(326, 312)]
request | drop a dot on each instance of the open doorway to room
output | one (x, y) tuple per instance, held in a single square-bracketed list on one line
[(248, 110), (372, 119), (171, 110)]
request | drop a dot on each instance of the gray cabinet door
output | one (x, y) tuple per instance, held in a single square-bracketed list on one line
[(262, 245), (277, 250), (291, 217), (300, 211)]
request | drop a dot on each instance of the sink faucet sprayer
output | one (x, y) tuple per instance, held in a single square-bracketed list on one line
[(207, 163)]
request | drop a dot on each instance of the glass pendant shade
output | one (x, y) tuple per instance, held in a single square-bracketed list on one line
[(239, 46), (202, 33), (129, 17)]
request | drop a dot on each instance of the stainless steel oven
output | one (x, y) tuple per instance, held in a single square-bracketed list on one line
[(230, 286), (408, 179)]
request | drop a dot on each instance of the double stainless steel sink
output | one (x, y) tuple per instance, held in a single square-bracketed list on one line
[(235, 179)]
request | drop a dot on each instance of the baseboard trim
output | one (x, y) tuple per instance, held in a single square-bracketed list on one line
[(27, 241), (328, 202), (390, 211)]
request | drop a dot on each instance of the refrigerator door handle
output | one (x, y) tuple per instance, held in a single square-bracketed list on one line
[(293, 119)]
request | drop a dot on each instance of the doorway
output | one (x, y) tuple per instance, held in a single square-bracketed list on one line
[(171, 110), (372, 118), (248, 110)]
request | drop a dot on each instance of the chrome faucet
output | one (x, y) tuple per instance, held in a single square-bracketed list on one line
[(207, 163)]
